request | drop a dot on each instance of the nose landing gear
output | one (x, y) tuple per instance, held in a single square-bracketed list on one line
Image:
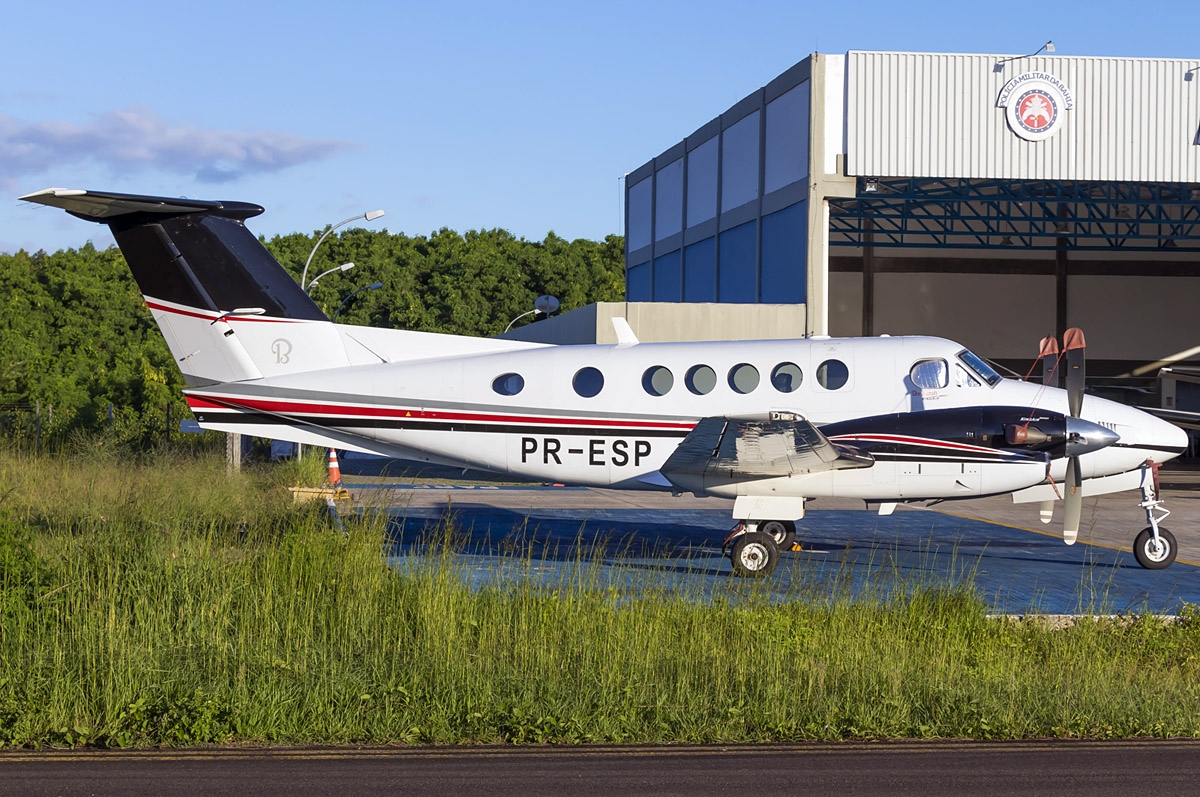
[(1154, 547)]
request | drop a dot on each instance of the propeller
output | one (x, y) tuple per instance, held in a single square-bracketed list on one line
[(1049, 357), (1082, 436), (1073, 348)]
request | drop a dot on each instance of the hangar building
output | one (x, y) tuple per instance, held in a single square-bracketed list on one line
[(991, 199)]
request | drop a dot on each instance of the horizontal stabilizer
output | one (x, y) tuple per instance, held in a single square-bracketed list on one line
[(105, 206), (228, 310)]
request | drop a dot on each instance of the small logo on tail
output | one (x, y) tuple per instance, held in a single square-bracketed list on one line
[(282, 349)]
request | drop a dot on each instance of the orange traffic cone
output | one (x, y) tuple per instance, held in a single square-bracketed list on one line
[(335, 472)]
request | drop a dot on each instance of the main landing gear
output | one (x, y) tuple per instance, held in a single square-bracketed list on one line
[(1154, 547), (754, 546)]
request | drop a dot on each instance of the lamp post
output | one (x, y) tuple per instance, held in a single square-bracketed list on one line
[(316, 279), (370, 215), (544, 304), (374, 286)]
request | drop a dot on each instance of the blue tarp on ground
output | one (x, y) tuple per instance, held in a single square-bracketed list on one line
[(855, 552)]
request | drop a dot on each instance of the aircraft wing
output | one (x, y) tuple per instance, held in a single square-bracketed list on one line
[(727, 450)]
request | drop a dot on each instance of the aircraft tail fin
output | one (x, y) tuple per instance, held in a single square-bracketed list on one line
[(228, 309)]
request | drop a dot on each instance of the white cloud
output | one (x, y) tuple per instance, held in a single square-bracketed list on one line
[(138, 138)]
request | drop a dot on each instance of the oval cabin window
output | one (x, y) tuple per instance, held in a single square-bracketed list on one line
[(508, 384)]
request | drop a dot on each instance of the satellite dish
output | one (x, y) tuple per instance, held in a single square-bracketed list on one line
[(546, 304)]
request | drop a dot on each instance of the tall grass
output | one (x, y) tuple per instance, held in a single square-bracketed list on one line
[(156, 602)]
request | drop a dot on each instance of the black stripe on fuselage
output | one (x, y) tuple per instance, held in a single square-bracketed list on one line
[(1144, 447)]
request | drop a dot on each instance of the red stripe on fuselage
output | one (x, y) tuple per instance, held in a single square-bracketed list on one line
[(914, 441), (309, 408)]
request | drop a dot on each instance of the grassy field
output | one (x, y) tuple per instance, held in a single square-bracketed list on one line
[(156, 602)]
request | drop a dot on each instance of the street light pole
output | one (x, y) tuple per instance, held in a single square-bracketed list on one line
[(544, 304), (316, 279), (370, 215)]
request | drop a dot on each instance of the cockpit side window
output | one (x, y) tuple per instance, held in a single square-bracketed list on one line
[(963, 378), (930, 374)]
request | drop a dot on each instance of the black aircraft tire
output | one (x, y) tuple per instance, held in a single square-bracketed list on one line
[(782, 531), (754, 555), (1145, 553)]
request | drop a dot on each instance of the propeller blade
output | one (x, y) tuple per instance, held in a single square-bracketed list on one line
[(1046, 511), (1049, 357), (1073, 346), (1072, 502)]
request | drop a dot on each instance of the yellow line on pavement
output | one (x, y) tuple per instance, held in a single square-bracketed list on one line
[(1046, 533)]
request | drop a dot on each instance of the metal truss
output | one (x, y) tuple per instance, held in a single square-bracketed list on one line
[(1047, 214)]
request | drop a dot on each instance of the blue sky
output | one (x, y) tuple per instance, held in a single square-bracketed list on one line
[(468, 115)]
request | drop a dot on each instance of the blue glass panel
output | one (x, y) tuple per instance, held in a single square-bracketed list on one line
[(785, 255), (637, 284), (739, 163), (668, 200), (738, 277), (700, 271), (702, 183), (638, 204), (668, 277), (787, 138)]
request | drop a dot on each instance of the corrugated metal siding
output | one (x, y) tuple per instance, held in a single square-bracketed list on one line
[(935, 115)]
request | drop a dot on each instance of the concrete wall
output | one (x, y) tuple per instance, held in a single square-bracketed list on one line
[(667, 321)]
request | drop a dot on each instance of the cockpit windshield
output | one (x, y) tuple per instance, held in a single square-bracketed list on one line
[(977, 365)]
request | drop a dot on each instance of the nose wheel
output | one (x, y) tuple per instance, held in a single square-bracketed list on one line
[(1154, 552), (1154, 547)]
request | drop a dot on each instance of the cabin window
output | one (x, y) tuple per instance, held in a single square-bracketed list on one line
[(588, 382), (508, 384), (700, 379), (658, 380), (743, 378), (786, 377), (930, 374), (833, 374)]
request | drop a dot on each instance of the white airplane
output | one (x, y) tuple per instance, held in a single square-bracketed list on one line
[(767, 423)]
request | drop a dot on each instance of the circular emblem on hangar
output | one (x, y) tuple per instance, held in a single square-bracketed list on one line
[(1034, 103)]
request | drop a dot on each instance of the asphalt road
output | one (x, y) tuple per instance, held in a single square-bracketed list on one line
[(1062, 769)]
